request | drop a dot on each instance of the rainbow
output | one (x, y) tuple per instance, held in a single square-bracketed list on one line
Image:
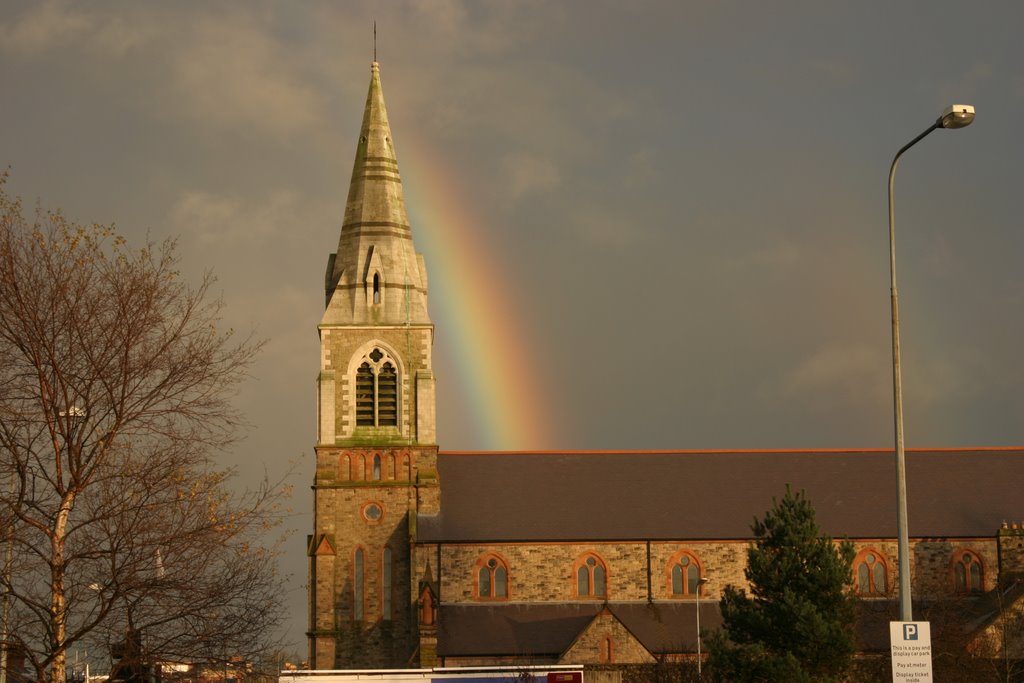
[(473, 308)]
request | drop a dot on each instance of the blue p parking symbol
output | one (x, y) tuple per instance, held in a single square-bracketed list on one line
[(909, 631)]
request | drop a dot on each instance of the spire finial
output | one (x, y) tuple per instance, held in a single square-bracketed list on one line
[(375, 40)]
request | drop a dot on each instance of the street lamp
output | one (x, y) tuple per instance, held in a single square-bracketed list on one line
[(955, 116), (700, 582)]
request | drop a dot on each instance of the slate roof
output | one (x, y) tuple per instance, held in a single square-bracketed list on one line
[(548, 629), (536, 629), (651, 495)]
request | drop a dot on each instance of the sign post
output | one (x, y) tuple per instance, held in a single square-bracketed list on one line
[(911, 646)]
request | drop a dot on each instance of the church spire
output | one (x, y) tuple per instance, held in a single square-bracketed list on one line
[(376, 277), (376, 450)]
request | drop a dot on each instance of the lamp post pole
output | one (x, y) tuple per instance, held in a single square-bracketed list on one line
[(700, 582), (956, 116)]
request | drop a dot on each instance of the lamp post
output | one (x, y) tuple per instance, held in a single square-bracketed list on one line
[(955, 116), (700, 582)]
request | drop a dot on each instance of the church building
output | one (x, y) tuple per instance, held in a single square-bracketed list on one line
[(421, 557)]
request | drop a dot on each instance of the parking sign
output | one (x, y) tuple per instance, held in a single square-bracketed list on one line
[(911, 646)]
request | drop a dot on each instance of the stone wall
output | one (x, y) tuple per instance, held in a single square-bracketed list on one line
[(340, 348), (545, 572), (354, 511), (932, 563), (1011, 547), (607, 641)]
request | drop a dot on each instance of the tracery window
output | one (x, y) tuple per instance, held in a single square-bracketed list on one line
[(591, 577), (685, 574), (967, 572), (377, 390), (871, 573), (492, 578)]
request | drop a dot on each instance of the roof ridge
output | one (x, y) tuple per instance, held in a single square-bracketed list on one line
[(697, 451)]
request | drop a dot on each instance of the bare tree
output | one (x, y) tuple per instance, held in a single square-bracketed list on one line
[(991, 642), (115, 388)]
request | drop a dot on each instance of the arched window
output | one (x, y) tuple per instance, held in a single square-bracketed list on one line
[(376, 385), (591, 577), (492, 578), (606, 655), (376, 468), (967, 572), (346, 468), (376, 288), (385, 584), (871, 573), (358, 584), (684, 575)]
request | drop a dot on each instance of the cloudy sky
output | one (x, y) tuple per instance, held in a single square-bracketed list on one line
[(647, 225)]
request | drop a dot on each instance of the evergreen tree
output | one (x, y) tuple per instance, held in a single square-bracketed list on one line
[(797, 624)]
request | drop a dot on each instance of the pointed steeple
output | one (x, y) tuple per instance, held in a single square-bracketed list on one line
[(376, 419), (376, 277)]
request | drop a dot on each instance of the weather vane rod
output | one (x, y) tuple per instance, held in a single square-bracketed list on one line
[(375, 40)]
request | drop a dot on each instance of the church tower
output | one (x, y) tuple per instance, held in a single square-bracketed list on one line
[(376, 452)]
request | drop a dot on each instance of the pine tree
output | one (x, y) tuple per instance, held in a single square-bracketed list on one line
[(797, 623)]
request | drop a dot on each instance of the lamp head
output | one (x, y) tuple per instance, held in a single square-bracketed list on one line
[(957, 116)]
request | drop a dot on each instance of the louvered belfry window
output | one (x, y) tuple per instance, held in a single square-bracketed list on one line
[(364, 395), (387, 396), (377, 391)]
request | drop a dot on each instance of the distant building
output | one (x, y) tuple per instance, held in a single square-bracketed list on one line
[(421, 558)]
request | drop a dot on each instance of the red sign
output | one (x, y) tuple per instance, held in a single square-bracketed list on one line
[(565, 677)]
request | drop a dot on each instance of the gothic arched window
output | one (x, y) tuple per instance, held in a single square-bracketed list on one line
[(967, 576), (871, 573), (492, 578), (376, 385), (684, 575), (591, 577)]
